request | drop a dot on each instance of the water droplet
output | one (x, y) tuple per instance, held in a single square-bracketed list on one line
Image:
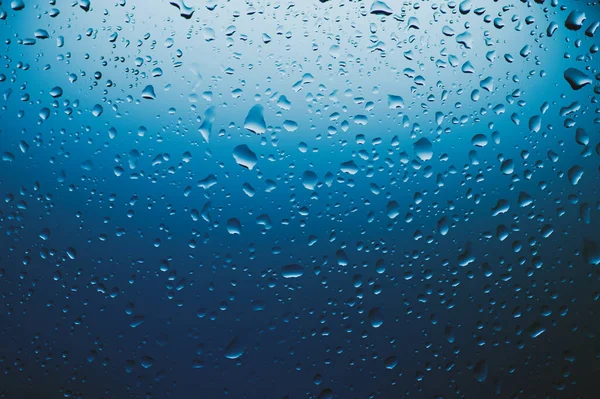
[(349, 167), (292, 271), (393, 209), (234, 226), (97, 110), (575, 20), (85, 5), (395, 101), (575, 174), (235, 349), (244, 156), (390, 362), (591, 252), (185, 11), (309, 180), (148, 93), (481, 370), (423, 149), (380, 8), (576, 78), (56, 92), (376, 317), (255, 121), (17, 5)]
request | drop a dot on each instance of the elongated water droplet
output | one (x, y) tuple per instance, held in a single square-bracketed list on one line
[(292, 271), (576, 78)]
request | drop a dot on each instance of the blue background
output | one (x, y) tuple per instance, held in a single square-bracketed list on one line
[(134, 237)]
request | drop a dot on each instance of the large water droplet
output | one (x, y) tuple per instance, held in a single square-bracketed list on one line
[(292, 271), (575, 174), (17, 5), (244, 156), (376, 317), (255, 121), (591, 252), (309, 180), (234, 226), (575, 20), (424, 149), (148, 93), (576, 78), (234, 349), (380, 8)]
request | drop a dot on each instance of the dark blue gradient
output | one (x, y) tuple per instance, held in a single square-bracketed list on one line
[(299, 199)]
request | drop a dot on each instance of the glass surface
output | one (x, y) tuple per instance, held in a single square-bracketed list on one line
[(299, 199)]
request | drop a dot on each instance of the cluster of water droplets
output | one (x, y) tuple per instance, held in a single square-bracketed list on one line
[(321, 198)]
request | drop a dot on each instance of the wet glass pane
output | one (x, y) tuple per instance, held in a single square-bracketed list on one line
[(299, 199)]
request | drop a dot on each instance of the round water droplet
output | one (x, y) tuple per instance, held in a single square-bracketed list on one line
[(376, 317), (423, 149)]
